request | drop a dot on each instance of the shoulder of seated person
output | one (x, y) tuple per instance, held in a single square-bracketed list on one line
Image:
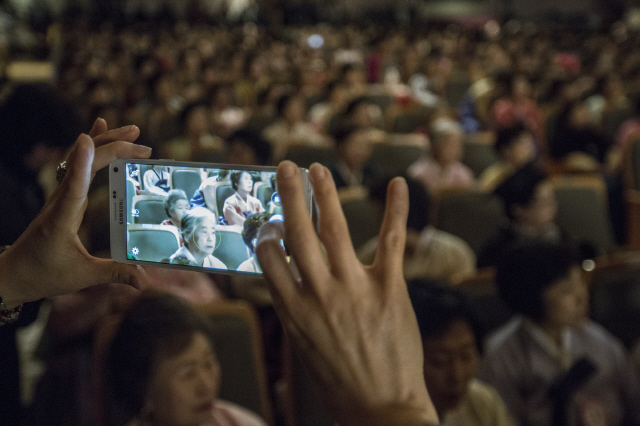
[(241, 414)]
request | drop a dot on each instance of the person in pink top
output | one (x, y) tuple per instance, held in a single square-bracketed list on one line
[(241, 205), (161, 369), (443, 169)]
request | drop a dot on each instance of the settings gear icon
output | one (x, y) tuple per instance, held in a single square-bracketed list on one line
[(135, 251)]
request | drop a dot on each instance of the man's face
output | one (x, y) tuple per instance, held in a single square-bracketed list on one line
[(450, 362)]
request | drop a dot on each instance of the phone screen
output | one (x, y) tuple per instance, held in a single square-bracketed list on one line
[(198, 216)]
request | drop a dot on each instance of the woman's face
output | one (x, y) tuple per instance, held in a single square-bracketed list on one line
[(245, 183), (566, 302), (450, 362), (449, 149), (521, 151), (185, 387), (179, 209), (204, 238)]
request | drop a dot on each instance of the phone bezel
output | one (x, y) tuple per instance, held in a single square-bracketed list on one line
[(118, 208)]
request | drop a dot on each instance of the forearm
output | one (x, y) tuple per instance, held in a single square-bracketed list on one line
[(10, 281)]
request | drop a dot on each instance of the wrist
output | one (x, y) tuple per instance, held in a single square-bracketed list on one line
[(399, 415), (9, 280)]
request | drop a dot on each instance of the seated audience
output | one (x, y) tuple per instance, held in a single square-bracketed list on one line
[(531, 206), (550, 364), (290, 128), (250, 237), (452, 342), (175, 205), (428, 251), (196, 135), (199, 239), (515, 148), (353, 151), (161, 369), (443, 169), (247, 147), (241, 205)]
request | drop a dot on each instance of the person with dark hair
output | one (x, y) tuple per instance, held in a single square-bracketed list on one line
[(515, 148), (452, 343), (530, 204), (175, 205), (290, 127), (247, 147), (242, 204), (576, 132), (198, 232), (336, 95), (353, 152), (250, 230), (429, 252), (161, 369), (550, 364), (196, 136)]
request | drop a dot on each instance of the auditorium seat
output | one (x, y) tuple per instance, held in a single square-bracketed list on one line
[(482, 293), (188, 180), (361, 213), (153, 243), (148, 209), (394, 159), (230, 248), (305, 155)]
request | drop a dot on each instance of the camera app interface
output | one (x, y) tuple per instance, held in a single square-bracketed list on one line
[(197, 216)]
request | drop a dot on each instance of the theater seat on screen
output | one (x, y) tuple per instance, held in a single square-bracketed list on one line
[(153, 242), (131, 192), (231, 250), (187, 180), (148, 209), (263, 192)]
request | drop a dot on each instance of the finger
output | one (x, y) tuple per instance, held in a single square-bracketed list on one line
[(299, 233), (332, 225), (71, 194), (115, 150), (393, 233), (109, 271), (98, 128), (126, 133), (282, 284)]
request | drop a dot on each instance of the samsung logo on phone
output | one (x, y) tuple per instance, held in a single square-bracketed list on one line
[(121, 211)]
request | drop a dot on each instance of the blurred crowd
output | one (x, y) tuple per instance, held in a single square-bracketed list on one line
[(542, 103)]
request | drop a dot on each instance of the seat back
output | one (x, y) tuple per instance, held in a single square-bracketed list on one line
[(482, 293), (148, 209), (153, 243), (305, 156), (238, 346), (230, 248), (615, 298), (478, 156), (583, 212), (223, 191), (394, 160), (187, 180), (409, 122), (361, 213), (471, 215), (209, 156), (263, 192)]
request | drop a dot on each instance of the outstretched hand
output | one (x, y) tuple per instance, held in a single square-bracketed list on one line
[(48, 259), (353, 325)]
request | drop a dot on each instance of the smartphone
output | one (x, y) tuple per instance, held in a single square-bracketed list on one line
[(192, 216)]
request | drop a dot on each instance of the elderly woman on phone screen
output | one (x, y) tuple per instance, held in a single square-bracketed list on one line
[(199, 237)]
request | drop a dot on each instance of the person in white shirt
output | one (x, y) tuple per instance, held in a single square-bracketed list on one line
[(250, 237), (155, 180)]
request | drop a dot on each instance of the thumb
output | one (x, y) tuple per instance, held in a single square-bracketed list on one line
[(109, 271)]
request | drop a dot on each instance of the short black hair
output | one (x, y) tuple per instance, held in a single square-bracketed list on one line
[(156, 327), (524, 270), (184, 115), (252, 226), (343, 131), (505, 137), (520, 188), (235, 177), (260, 147), (437, 305), (419, 201)]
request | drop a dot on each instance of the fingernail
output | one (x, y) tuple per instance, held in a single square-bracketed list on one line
[(97, 119), (142, 149), (128, 129), (317, 172), (287, 169)]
